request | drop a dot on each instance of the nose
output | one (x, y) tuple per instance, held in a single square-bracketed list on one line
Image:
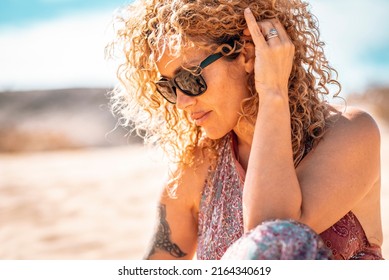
[(183, 100)]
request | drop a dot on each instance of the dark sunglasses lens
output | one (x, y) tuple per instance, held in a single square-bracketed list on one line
[(189, 83), (169, 93)]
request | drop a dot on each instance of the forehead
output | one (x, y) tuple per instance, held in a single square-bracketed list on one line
[(169, 64)]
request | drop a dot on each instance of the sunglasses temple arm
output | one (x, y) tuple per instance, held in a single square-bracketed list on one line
[(210, 59)]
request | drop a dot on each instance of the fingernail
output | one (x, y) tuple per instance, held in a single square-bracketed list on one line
[(247, 10)]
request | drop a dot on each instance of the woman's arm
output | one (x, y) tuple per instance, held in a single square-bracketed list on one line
[(339, 174), (331, 180), (271, 187), (176, 232)]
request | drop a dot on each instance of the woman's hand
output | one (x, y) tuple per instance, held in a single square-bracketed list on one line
[(273, 57)]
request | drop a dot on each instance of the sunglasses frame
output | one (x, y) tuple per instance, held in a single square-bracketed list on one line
[(172, 84)]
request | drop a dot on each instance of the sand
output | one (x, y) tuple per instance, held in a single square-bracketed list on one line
[(86, 204), (94, 203)]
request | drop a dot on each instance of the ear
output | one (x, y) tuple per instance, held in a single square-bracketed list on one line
[(248, 57)]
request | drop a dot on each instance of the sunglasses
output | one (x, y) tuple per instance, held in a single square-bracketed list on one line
[(188, 81)]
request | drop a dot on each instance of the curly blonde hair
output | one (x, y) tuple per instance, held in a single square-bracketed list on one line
[(148, 27)]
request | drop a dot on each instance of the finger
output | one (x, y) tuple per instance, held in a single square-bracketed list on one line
[(282, 34), (253, 28), (266, 27)]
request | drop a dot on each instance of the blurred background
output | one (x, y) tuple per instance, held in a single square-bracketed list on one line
[(72, 185)]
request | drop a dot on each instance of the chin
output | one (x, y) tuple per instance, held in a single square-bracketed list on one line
[(214, 135)]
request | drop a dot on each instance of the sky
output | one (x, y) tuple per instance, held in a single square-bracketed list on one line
[(60, 43), (48, 44)]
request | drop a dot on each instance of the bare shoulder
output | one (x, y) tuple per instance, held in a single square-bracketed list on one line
[(353, 140), (356, 138), (188, 181), (345, 167), (353, 125), (351, 146)]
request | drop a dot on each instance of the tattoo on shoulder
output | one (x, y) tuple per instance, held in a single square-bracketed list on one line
[(162, 239)]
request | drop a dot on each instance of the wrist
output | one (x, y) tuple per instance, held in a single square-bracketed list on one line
[(277, 99)]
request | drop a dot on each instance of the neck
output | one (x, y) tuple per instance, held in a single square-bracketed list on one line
[(244, 135)]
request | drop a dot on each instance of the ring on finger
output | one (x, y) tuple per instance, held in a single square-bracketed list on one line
[(272, 34)]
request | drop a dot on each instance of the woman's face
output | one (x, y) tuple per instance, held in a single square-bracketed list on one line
[(217, 109)]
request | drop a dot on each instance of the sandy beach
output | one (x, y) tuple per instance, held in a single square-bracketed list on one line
[(87, 204), (94, 203)]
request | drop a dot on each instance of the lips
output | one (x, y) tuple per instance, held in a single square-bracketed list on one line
[(199, 117)]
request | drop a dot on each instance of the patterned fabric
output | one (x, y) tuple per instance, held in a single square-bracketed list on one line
[(279, 240), (347, 240), (221, 217)]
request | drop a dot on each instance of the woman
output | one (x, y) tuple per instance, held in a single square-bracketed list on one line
[(264, 167)]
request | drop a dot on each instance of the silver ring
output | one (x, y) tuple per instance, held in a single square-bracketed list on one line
[(272, 34)]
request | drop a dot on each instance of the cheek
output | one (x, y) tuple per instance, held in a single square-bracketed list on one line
[(227, 103), (235, 89), (227, 87), (230, 79)]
